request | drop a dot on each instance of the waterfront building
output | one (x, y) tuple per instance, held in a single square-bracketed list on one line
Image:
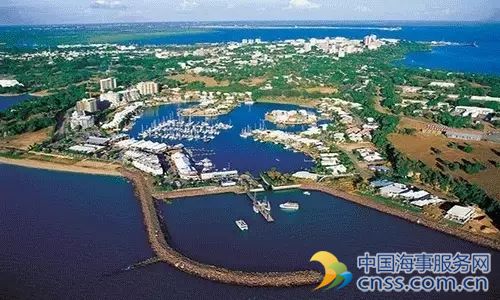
[(184, 167), (85, 149), (9, 83), (87, 105), (219, 175), (119, 117), (460, 214), (107, 84), (111, 97), (148, 88), (146, 162), (393, 190), (129, 95), (305, 175), (80, 120)]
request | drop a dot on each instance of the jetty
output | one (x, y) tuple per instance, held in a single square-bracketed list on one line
[(262, 208), (167, 254)]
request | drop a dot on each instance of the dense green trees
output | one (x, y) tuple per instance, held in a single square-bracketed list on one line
[(38, 112)]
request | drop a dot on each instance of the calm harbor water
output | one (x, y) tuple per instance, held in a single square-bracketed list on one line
[(7, 102), (67, 236), (229, 149)]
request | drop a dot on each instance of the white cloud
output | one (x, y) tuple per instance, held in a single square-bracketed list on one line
[(302, 4), (187, 5), (108, 4)]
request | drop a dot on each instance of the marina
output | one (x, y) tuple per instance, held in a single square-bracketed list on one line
[(262, 207), (180, 129)]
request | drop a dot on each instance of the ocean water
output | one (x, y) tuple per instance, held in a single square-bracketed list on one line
[(229, 149), (68, 236), (7, 102), (453, 58)]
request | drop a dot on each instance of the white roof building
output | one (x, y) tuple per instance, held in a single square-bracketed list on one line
[(459, 214), (393, 190)]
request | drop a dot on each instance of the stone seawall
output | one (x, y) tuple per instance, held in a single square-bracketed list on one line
[(167, 254)]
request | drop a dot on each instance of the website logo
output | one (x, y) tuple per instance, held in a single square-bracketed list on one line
[(336, 273)]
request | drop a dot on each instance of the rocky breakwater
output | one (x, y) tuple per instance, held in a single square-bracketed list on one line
[(169, 255)]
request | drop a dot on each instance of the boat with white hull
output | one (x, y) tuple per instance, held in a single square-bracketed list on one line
[(289, 206)]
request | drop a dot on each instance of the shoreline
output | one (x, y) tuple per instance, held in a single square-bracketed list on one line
[(419, 220), (53, 166)]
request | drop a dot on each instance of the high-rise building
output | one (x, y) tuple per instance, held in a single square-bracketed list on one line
[(148, 88), (129, 95), (107, 84), (80, 120), (111, 97), (369, 39), (87, 105)]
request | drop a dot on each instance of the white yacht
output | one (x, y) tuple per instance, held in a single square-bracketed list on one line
[(289, 206), (307, 193), (246, 132), (242, 225)]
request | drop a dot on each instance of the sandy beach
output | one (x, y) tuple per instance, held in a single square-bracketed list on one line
[(85, 167)]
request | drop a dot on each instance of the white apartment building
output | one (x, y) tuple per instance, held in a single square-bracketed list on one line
[(87, 105), (107, 84), (148, 88)]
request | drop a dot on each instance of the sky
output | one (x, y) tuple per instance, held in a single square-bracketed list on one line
[(111, 11)]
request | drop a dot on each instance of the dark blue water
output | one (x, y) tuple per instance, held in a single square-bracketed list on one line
[(230, 149), (66, 236), (7, 102)]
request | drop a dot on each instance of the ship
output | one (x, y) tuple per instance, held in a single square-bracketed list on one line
[(289, 206), (242, 225), (307, 193), (246, 133)]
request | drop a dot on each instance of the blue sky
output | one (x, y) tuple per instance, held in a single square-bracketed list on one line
[(98, 11)]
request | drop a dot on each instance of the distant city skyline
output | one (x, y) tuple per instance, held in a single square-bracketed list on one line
[(113, 11)]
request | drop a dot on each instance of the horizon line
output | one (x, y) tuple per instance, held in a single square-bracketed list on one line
[(485, 21)]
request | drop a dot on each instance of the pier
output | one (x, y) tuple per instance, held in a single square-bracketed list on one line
[(266, 213), (169, 255)]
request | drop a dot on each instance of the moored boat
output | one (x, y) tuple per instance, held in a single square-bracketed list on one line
[(242, 225), (289, 206)]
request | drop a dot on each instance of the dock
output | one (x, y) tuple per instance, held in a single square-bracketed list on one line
[(262, 210)]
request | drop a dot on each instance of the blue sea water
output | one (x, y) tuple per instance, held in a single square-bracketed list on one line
[(68, 236), (231, 150), (453, 58), (7, 102)]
